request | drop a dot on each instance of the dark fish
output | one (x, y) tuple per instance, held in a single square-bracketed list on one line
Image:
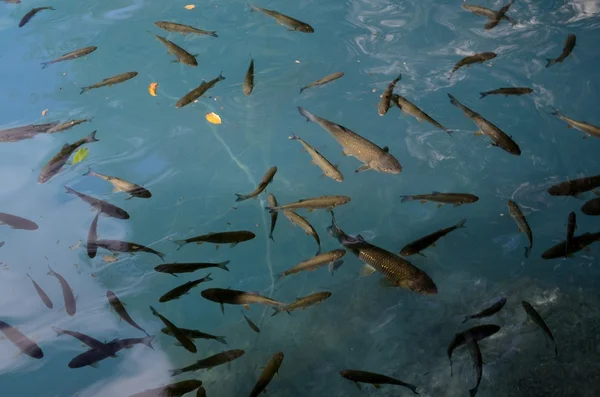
[(323, 81), (376, 380), (480, 57), (264, 182), (183, 289), (81, 52), (109, 81), (498, 136), (571, 226), (489, 311), (124, 246), (272, 201), (68, 296), (567, 49), (195, 334), (267, 374), (25, 132), (575, 187), (249, 79), (93, 356), (85, 339), (176, 268), (101, 205), (517, 215), (198, 92), (327, 258), (589, 129), (183, 29), (537, 319), (251, 324), (31, 13), (177, 389), (577, 244), (318, 159), (311, 204), (475, 353), (26, 345), (304, 225), (443, 198), (507, 91), (302, 303), (399, 271), (591, 207), (424, 242), (119, 308), (478, 333), (182, 55), (92, 249), (411, 109), (384, 102), (43, 296), (500, 15), (210, 362), (16, 222), (176, 332), (12, 1), (121, 185), (235, 297), (60, 159), (201, 392), (285, 20), (233, 238)]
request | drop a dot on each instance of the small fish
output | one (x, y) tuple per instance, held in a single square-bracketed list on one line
[(176, 268), (119, 344), (16, 222), (411, 109), (574, 187), (272, 201), (81, 52), (125, 246), (318, 159), (567, 49), (304, 225), (489, 311), (571, 226), (183, 289), (233, 238), (235, 297), (43, 296), (327, 258), (589, 129), (60, 159), (372, 156), (182, 55), (251, 324), (195, 334), (285, 20), (373, 378), (479, 10), (577, 244), (249, 79), (384, 103), (186, 342), (267, 374), (311, 204), (183, 29), (507, 91), (31, 13), (26, 345), (59, 127), (25, 132), (264, 182), (119, 308), (323, 81), (85, 339), (501, 14), (302, 303), (177, 389), (517, 215), (121, 185), (109, 81), (424, 242), (537, 319), (11, 1), (475, 353), (443, 198), (68, 296), (591, 207), (478, 333), (198, 91), (480, 57), (101, 205), (210, 362), (92, 249)]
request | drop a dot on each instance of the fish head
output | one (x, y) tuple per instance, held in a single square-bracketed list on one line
[(305, 28), (387, 164), (210, 294), (422, 284)]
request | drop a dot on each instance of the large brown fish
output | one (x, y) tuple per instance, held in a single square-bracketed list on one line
[(537, 319), (384, 102), (42, 294), (516, 213), (182, 55), (125, 246), (267, 374), (318, 159), (488, 311), (198, 91), (577, 244), (424, 242), (304, 225), (248, 85), (183, 289), (70, 305), (210, 362), (443, 198), (81, 52), (91, 247), (181, 337), (175, 268), (285, 20), (264, 182), (121, 185), (507, 91), (591, 207), (323, 81), (413, 110), (589, 129), (26, 345), (183, 29), (195, 334), (272, 201), (478, 333), (315, 203), (110, 81), (60, 159), (480, 57), (574, 187), (327, 258), (232, 238), (177, 389), (16, 222), (235, 297), (101, 205), (373, 378), (302, 303), (567, 49), (119, 308), (31, 13)]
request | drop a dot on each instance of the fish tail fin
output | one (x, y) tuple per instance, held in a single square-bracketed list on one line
[(550, 62), (483, 95), (318, 250), (309, 116), (449, 132), (294, 137), (279, 277), (467, 318), (221, 339), (223, 265), (51, 272), (45, 64), (154, 311), (92, 137), (58, 331), (252, 8), (453, 100), (240, 197), (207, 277), (88, 172), (404, 199), (84, 89), (148, 340), (276, 310), (213, 33), (413, 388), (160, 255), (554, 112), (461, 224), (180, 243), (69, 190), (221, 77), (527, 252), (175, 372), (271, 236), (302, 89)]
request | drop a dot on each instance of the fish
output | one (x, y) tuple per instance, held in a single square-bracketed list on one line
[(11, 1), (251, 324), (119, 308), (176, 268), (272, 201), (318, 159), (443, 198), (106, 208), (198, 91), (267, 374), (201, 392), (31, 13), (183, 289), (249, 79), (500, 15), (413, 110), (86, 339), (475, 353), (25, 345), (567, 49), (358, 376), (422, 243), (182, 55), (577, 244), (589, 129), (91, 248), (110, 81), (43, 296), (327, 258), (384, 102), (195, 334), (494, 17), (92, 356), (499, 138), (479, 57), (183, 29), (312, 204), (507, 91), (70, 305), (477, 333), (59, 127), (210, 362), (232, 238), (125, 246), (181, 337), (479, 10), (304, 225), (302, 303), (591, 207), (372, 156), (285, 20), (177, 389), (78, 53), (16, 222), (264, 182), (537, 319), (25, 132), (397, 270), (121, 185), (521, 221), (488, 311), (235, 297), (56, 163), (571, 226), (323, 81), (574, 187)]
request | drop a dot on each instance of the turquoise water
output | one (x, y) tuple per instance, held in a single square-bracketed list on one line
[(193, 169)]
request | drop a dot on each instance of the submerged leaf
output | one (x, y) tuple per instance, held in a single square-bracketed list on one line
[(44, 112), (152, 88), (189, 7), (213, 118), (80, 155), (109, 258)]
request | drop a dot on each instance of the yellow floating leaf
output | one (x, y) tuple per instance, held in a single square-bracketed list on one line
[(213, 118), (80, 155), (189, 7), (152, 88), (44, 112), (109, 258)]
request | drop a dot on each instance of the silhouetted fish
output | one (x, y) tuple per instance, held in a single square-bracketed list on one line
[(507, 91), (176, 332), (522, 224), (70, 305), (235, 297), (210, 362), (124, 246), (16, 222), (267, 374), (489, 311), (232, 238), (266, 179), (251, 324), (45, 298), (101, 205), (182, 55), (183, 29), (478, 333), (537, 319), (303, 303), (81, 52), (175, 268), (248, 85), (314, 203), (577, 244), (323, 81), (121, 185), (86, 339), (110, 81), (26, 345), (272, 201), (177, 292), (443, 198), (91, 247), (424, 242), (195, 334), (119, 308), (384, 102), (591, 207), (574, 187), (285, 20), (373, 378), (31, 13), (567, 49), (198, 92)]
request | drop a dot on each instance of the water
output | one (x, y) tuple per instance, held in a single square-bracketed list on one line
[(194, 168)]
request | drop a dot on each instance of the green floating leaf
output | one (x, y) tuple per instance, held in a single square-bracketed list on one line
[(80, 155)]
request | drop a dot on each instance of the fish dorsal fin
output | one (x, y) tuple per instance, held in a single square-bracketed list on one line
[(435, 192), (367, 270), (360, 238), (386, 149)]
